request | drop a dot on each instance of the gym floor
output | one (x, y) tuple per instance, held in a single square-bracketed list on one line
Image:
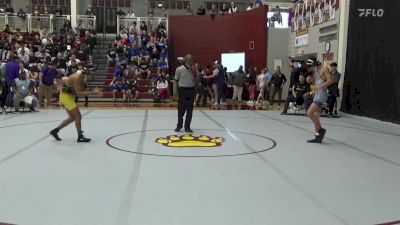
[(255, 169)]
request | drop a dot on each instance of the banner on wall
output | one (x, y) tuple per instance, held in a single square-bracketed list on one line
[(301, 38), (372, 75)]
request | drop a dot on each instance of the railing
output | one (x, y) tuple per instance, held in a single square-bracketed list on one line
[(152, 23), (40, 22), (58, 22), (88, 22), (34, 22)]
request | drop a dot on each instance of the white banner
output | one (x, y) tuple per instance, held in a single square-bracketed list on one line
[(301, 40)]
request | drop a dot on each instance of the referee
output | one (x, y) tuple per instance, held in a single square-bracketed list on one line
[(185, 77)]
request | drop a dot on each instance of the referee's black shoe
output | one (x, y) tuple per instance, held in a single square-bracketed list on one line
[(188, 130)]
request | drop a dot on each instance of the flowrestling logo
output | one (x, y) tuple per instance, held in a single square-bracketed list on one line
[(371, 12)]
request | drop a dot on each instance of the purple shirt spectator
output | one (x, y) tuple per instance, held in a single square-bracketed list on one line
[(162, 65), (48, 76), (12, 71)]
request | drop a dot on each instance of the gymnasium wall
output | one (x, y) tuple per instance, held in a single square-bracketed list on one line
[(372, 76), (206, 38)]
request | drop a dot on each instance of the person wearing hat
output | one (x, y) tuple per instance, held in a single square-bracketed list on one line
[(72, 86), (321, 77), (46, 83), (186, 78)]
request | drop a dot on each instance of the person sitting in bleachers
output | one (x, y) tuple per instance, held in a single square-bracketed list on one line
[(301, 92), (144, 69), (162, 87), (118, 82), (23, 92), (134, 54), (162, 65), (132, 87), (72, 68)]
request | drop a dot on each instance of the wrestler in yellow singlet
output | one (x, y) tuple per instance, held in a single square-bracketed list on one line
[(72, 86)]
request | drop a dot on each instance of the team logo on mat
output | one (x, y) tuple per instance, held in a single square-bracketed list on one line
[(190, 141)]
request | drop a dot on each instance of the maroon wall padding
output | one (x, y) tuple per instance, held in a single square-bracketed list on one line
[(206, 38)]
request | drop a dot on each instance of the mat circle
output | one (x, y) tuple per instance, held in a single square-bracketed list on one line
[(108, 142)]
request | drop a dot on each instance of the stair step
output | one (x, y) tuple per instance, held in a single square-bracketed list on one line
[(141, 89)]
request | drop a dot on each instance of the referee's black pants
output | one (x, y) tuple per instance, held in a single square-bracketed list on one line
[(185, 105)]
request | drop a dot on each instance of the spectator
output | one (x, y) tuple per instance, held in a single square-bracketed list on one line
[(277, 81), (132, 89), (81, 27), (202, 86), (268, 76), (250, 7), (7, 29), (89, 11), (162, 87), (118, 82), (333, 90), (233, 9), (162, 65), (261, 84), (12, 72), (131, 14), (121, 13), (134, 53), (45, 11), (91, 26), (224, 9), (258, 3), (9, 10), (23, 70), (155, 54), (58, 11), (201, 10), (164, 54), (123, 34), (23, 56), (189, 10), (61, 63), (238, 79), (36, 11), (143, 26), (251, 82), (83, 53), (220, 81), (72, 68), (132, 28), (46, 83), (73, 57), (150, 13), (213, 10), (294, 77), (112, 57), (23, 92), (144, 69), (300, 92), (21, 14), (164, 12)]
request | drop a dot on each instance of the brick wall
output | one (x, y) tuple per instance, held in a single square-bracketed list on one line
[(206, 38)]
